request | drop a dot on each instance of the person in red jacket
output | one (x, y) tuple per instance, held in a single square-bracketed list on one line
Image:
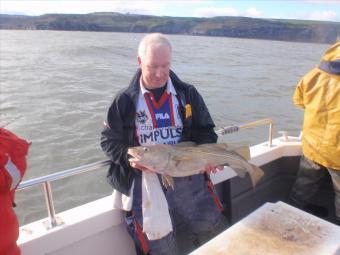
[(13, 151)]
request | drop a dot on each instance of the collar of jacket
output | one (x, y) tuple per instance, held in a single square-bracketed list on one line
[(331, 67)]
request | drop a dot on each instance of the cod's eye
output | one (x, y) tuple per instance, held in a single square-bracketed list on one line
[(146, 149)]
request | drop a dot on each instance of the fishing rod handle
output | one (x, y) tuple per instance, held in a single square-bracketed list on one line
[(228, 130)]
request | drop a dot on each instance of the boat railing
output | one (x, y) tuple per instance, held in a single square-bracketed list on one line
[(46, 180)]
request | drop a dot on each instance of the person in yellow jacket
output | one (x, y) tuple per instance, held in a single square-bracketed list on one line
[(318, 93)]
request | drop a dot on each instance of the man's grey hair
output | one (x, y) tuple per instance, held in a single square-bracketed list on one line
[(154, 39)]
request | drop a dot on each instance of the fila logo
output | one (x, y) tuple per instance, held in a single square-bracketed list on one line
[(162, 116)]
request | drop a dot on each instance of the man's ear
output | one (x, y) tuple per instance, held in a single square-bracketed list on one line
[(139, 60)]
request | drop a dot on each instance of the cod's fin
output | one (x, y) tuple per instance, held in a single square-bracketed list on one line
[(222, 146), (243, 151), (167, 181), (178, 158), (213, 147), (184, 144), (256, 175)]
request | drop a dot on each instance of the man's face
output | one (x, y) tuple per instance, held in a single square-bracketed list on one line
[(155, 66)]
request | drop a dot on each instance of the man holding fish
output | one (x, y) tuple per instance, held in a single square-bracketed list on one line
[(159, 109)]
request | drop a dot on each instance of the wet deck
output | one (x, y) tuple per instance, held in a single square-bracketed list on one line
[(276, 229)]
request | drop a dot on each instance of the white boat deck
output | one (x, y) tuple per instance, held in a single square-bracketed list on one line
[(278, 229), (93, 228)]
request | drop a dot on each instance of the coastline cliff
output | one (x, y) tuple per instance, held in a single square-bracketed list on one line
[(238, 27)]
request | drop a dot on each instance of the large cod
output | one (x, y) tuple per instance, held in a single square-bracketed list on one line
[(187, 158)]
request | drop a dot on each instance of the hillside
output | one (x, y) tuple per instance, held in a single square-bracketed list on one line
[(241, 27)]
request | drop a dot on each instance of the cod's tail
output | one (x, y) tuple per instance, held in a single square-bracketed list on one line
[(254, 172)]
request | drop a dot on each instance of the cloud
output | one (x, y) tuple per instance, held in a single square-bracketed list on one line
[(322, 1), (227, 11), (323, 15), (213, 12), (74, 6), (327, 15), (253, 12), (186, 8)]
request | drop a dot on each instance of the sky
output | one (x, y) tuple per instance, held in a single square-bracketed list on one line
[(326, 10)]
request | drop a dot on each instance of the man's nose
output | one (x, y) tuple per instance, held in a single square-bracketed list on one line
[(159, 72)]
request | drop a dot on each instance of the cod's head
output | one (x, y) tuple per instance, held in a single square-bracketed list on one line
[(152, 157)]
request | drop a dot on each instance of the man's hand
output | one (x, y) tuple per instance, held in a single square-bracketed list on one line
[(209, 168)]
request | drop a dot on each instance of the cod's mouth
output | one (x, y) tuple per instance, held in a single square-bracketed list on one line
[(134, 156)]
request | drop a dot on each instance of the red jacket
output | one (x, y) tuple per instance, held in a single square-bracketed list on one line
[(13, 151)]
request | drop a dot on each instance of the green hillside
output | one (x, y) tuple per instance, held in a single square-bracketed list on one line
[(240, 27)]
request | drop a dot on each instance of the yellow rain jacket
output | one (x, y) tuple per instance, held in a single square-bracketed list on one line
[(319, 94)]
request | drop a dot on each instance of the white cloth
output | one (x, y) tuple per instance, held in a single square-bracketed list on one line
[(156, 217), (121, 201)]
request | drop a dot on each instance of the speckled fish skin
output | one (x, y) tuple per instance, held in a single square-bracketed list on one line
[(185, 159)]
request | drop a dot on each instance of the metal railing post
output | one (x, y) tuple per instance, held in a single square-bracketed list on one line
[(270, 139), (49, 204)]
